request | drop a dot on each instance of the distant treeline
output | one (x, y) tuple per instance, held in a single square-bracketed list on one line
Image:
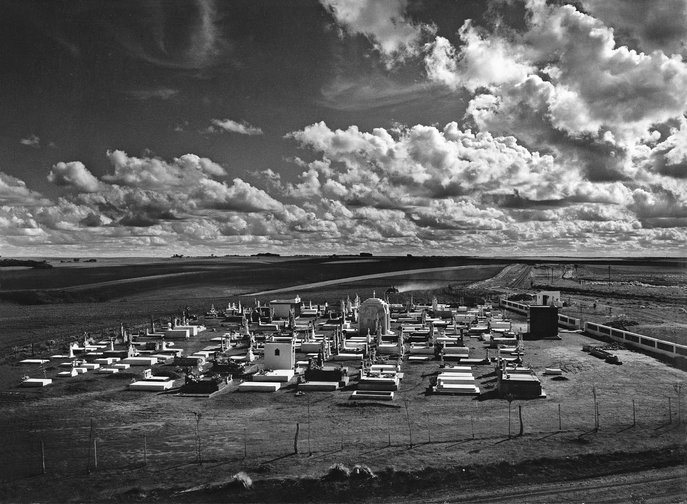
[(5, 263)]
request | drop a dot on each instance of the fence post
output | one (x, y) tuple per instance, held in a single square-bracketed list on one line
[(295, 440), (90, 438), (410, 431), (670, 412), (43, 456)]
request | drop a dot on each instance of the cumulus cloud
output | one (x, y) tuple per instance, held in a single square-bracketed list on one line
[(385, 24), (239, 196), (14, 191), (566, 73), (156, 173), (424, 161), (483, 61), (649, 24), (230, 126), (574, 138), (74, 175)]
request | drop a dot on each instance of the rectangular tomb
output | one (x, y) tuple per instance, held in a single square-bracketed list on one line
[(259, 386), (36, 382)]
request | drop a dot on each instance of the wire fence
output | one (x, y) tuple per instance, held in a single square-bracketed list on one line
[(70, 447)]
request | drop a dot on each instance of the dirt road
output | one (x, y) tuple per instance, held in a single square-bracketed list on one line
[(513, 276), (653, 486), (339, 281)]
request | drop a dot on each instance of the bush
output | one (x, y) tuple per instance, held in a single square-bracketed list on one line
[(241, 480), (338, 472), (361, 471)]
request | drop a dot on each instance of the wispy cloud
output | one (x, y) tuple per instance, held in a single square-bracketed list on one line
[(197, 40), (32, 140), (148, 94), (372, 92), (230, 126)]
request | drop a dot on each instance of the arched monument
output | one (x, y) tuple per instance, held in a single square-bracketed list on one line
[(374, 312)]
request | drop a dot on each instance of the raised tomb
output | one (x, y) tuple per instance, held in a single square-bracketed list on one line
[(374, 314)]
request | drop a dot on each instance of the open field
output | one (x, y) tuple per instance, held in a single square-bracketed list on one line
[(652, 298), (430, 444)]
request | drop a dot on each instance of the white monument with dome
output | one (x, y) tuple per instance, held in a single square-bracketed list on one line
[(374, 312)]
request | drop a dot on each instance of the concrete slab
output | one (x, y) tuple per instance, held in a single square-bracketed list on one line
[(140, 361), (318, 386), (372, 395), (277, 375), (259, 386), (151, 386), (108, 370), (34, 361), (36, 382)]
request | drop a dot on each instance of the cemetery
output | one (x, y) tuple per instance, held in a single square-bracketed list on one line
[(412, 364)]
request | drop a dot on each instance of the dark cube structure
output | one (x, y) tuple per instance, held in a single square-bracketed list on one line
[(543, 322)]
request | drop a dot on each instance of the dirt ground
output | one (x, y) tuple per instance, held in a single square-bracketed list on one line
[(255, 432), (653, 300)]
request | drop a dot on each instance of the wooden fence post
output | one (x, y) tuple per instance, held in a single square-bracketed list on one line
[(295, 440)]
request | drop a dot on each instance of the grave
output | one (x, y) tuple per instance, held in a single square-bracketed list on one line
[(277, 375), (33, 361), (151, 385), (140, 361), (108, 370), (36, 382), (318, 386), (373, 395), (259, 386)]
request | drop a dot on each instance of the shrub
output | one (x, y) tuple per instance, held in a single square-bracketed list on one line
[(361, 471), (338, 472), (241, 480)]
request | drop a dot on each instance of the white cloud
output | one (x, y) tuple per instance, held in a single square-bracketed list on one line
[(384, 23), (483, 61), (74, 175), (13, 191), (31, 141), (650, 24), (156, 173), (228, 125), (240, 196)]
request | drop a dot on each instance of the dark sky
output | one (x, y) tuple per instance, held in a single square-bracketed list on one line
[(150, 128)]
